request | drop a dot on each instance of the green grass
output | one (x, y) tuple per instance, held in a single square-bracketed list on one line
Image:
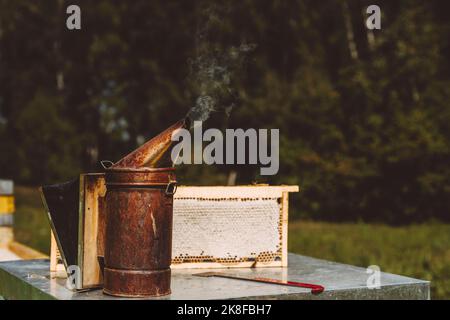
[(31, 225), (420, 251)]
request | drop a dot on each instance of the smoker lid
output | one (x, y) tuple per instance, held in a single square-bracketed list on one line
[(141, 169), (140, 176)]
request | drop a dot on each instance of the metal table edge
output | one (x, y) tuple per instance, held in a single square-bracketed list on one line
[(10, 291)]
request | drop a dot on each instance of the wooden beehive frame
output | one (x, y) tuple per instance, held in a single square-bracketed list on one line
[(91, 224), (222, 193)]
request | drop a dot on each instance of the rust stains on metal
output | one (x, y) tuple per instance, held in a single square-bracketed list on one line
[(138, 231), (121, 283), (151, 153)]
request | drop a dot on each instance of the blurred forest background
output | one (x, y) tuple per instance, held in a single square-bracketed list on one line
[(364, 116)]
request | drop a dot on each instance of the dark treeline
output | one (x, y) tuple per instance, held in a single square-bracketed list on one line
[(364, 116)]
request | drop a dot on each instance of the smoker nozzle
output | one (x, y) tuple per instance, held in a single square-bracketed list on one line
[(154, 152)]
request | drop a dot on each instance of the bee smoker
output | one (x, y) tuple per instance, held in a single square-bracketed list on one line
[(139, 212)]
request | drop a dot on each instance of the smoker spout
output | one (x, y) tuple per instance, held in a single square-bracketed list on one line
[(153, 151)]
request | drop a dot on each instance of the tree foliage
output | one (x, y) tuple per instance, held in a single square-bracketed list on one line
[(363, 115)]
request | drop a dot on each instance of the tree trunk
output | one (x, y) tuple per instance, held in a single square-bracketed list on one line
[(349, 31)]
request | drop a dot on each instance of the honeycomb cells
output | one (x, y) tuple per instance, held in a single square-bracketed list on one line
[(227, 230)]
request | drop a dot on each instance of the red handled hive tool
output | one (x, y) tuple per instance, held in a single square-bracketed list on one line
[(315, 288)]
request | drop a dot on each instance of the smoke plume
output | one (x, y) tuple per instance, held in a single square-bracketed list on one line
[(216, 66)]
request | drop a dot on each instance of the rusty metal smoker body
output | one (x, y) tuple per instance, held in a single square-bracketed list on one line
[(138, 231)]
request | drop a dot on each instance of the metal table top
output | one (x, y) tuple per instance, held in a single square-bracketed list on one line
[(31, 279)]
